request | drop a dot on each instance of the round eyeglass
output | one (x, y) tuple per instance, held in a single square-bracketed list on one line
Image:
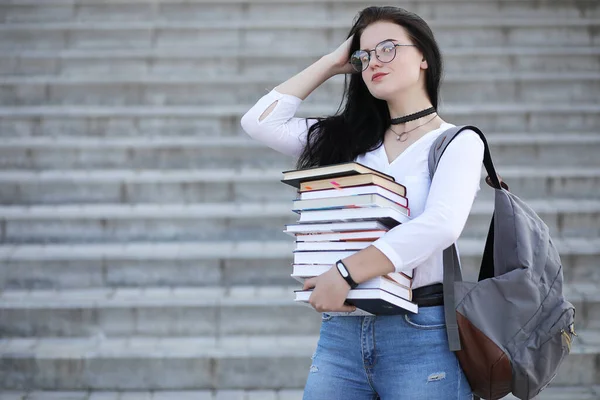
[(385, 52)]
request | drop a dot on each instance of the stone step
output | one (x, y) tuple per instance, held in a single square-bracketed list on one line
[(241, 151), (157, 312), (180, 62), (204, 264), (550, 393), (213, 311), (203, 10), (213, 121), (265, 362), (299, 33), (181, 90), (289, 23), (106, 223), (223, 185)]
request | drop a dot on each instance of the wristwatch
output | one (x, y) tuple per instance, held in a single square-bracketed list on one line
[(345, 274)]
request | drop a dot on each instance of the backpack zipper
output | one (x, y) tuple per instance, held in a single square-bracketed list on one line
[(568, 335)]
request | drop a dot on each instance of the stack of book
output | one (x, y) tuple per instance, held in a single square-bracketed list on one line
[(342, 209)]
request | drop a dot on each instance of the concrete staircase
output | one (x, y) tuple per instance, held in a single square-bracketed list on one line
[(142, 255)]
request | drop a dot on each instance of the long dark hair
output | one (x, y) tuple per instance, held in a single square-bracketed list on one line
[(361, 125)]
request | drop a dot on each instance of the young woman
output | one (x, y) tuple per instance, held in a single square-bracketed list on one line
[(388, 123)]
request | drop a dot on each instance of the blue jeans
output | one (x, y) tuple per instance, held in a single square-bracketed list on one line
[(400, 357)]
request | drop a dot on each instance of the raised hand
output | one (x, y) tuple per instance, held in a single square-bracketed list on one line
[(340, 58)]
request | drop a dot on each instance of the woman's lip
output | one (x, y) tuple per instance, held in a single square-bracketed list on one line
[(378, 75)]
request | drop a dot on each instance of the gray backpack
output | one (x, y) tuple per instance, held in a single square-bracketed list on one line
[(512, 329)]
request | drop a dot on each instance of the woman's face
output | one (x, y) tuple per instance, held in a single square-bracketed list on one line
[(402, 73)]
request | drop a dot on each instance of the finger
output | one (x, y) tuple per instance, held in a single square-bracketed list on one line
[(317, 307), (309, 283)]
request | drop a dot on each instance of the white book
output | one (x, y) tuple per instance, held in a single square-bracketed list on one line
[(403, 278), (300, 272), (332, 237), (356, 190), (387, 216), (315, 246), (327, 257), (293, 229), (374, 301), (379, 282), (356, 201), (320, 257)]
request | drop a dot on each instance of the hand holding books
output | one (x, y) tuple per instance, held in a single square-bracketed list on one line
[(330, 293), (344, 208)]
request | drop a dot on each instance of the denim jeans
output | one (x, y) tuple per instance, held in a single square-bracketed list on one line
[(400, 357)]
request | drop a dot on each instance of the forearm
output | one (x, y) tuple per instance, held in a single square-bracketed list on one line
[(368, 264), (305, 82)]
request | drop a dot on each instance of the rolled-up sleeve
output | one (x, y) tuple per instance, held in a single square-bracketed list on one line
[(451, 195), (279, 130)]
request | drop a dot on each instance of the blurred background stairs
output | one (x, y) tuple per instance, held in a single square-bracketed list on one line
[(142, 253)]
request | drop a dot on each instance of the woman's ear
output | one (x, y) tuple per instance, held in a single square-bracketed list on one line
[(424, 63)]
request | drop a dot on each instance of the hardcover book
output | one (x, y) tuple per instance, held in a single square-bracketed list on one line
[(387, 216), (356, 190), (344, 202), (334, 227), (296, 177), (374, 301), (300, 272), (353, 181)]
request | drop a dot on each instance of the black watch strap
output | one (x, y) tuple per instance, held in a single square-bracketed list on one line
[(341, 267)]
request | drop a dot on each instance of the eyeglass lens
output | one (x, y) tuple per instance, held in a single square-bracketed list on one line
[(385, 52)]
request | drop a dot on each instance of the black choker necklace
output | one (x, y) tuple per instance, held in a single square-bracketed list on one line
[(412, 117)]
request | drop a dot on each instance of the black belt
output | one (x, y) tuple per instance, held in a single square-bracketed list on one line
[(429, 296)]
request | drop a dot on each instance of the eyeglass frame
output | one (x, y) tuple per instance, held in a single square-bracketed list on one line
[(374, 49)]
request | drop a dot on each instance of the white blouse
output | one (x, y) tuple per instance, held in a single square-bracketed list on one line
[(438, 208)]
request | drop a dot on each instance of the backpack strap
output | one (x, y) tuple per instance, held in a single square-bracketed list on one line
[(441, 143), (452, 273), (452, 269)]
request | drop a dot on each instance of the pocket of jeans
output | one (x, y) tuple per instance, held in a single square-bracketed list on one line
[(424, 322), (326, 317)]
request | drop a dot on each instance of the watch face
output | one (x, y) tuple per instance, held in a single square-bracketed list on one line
[(342, 270)]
